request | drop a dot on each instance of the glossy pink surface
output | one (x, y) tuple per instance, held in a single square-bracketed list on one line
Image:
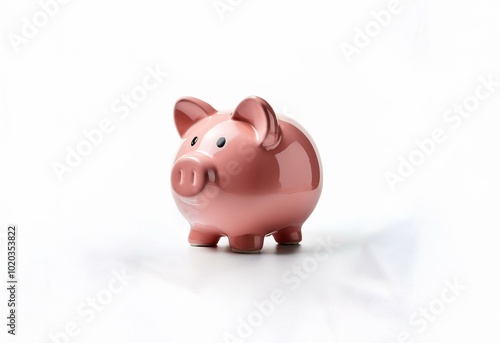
[(244, 175)]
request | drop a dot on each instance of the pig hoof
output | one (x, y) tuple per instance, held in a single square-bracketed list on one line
[(247, 244), (246, 251), (201, 239), (288, 236)]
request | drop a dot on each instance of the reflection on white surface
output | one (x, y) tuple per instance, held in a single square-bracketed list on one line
[(327, 285)]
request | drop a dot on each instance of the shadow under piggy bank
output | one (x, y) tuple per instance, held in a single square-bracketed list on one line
[(385, 256)]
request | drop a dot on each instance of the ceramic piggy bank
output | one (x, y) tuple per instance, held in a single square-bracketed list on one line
[(244, 174)]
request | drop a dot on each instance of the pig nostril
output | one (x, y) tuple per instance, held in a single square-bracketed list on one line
[(194, 177), (211, 175), (180, 176)]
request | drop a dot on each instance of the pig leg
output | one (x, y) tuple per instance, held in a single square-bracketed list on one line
[(289, 235), (246, 244), (202, 239)]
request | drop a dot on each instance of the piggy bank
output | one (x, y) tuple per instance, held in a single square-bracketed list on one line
[(244, 174)]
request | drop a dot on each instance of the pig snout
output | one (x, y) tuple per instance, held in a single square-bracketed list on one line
[(190, 175)]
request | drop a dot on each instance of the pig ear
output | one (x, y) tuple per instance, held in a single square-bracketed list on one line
[(258, 113), (188, 111)]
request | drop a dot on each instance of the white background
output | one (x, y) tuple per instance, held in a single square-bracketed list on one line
[(114, 211)]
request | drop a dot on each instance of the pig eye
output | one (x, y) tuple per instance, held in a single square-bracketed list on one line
[(195, 139), (220, 142)]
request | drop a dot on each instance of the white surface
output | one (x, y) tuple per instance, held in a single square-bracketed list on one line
[(114, 211)]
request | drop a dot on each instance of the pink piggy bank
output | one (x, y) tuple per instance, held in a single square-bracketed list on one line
[(244, 174)]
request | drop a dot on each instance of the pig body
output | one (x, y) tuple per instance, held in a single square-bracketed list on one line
[(244, 174)]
